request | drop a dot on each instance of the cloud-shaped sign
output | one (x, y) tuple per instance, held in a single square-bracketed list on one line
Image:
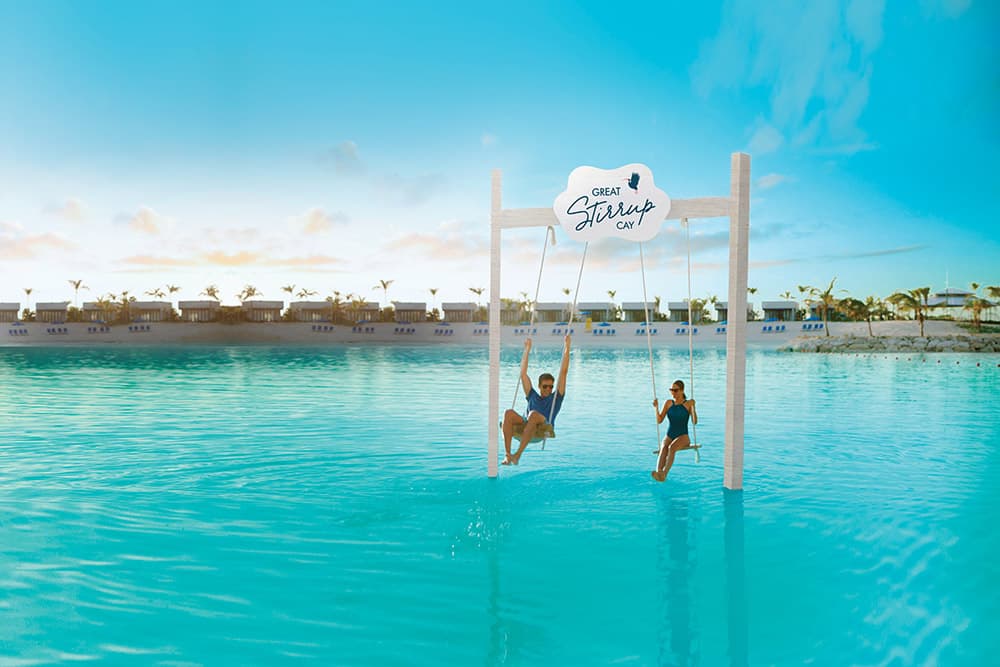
[(622, 202)]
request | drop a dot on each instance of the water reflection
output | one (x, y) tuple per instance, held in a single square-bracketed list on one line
[(736, 601), (675, 566)]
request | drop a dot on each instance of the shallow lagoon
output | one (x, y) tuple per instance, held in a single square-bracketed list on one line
[(271, 505)]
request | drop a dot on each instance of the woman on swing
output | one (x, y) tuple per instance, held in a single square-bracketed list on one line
[(677, 410)]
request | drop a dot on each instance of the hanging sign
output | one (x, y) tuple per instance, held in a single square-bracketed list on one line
[(622, 202)]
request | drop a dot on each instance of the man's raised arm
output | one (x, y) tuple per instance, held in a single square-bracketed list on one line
[(525, 380), (563, 369)]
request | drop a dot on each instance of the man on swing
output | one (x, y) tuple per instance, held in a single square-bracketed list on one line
[(540, 405)]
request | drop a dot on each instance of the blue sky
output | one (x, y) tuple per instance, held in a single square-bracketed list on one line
[(332, 145)]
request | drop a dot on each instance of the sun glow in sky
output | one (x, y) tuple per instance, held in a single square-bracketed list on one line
[(333, 145)]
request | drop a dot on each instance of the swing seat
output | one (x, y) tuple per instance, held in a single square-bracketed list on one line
[(543, 432)]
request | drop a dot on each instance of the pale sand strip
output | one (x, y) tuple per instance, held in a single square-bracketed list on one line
[(626, 334)]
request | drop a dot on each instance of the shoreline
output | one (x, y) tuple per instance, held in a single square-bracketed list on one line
[(942, 336)]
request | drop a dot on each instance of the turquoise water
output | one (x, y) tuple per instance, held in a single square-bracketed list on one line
[(272, 506)]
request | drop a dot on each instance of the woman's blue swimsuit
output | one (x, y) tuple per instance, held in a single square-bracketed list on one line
[(678, 416)]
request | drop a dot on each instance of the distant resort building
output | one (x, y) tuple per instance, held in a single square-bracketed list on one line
[(634, 311), (367, 312), (199, 311), (597, 311), (150, 311), (459, 311), (262, 311), (410, 311), (951, 302), (51, 312), (92, 311), (678, 312), (552, 312), (8, 312), (783, 311), (511, 313), (310, 311), (722, 311)]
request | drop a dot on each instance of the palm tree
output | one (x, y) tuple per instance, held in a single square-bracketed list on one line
[(306, 293), (433, 291), (156, 293), (106, 305), (27, 308), (751, 313), (125, 301), (211, 292), (828, 301), (855, 310), (657, 301), (384, 286), (288, 288), (993, 291), (247, 292), (613, 310), (976, 306), (173, 288), (77, 286), (569, 305), (914, 300), (478, 291)]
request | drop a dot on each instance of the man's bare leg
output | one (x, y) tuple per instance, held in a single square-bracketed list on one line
[(510, 419), (535, 419)]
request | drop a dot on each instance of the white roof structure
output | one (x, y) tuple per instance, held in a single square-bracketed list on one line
[(593, 305), (52, 305), (263, 305), (409, 305), (948, 298), (310, 305), (196, 305), (552, 306), (458, 305), (638, 305), (10, 306), (150, 305), (779, 305)]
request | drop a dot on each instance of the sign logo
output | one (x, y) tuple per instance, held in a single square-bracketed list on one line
[(622, 202)]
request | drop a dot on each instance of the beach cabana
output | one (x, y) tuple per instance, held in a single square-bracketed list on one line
[(366, 312), (512, 313), (722, 311), (55, 311), (679, 312), (464, 311), (633, 311), (262, 311), (150, 311), (310, 311), (597, 311), (91, 311), (414, 311), (199, 311), (9, 311), (783, 311), (552, 311)]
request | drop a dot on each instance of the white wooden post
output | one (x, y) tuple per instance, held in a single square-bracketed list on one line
[(736, 327), (494, 319)]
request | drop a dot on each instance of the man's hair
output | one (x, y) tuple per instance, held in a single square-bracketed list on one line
[(546, 376)]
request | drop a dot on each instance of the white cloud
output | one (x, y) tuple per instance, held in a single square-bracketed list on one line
[(813, 59), (766, 139), (345, 159), (145, 221), (770, 180), (318, 221), (72, 209)]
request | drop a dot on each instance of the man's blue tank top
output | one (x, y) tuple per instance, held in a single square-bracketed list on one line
[(544, 405), (678, 416)]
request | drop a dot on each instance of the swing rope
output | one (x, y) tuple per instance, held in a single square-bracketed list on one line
[(649, 340), (694, 428), (551, 232)]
